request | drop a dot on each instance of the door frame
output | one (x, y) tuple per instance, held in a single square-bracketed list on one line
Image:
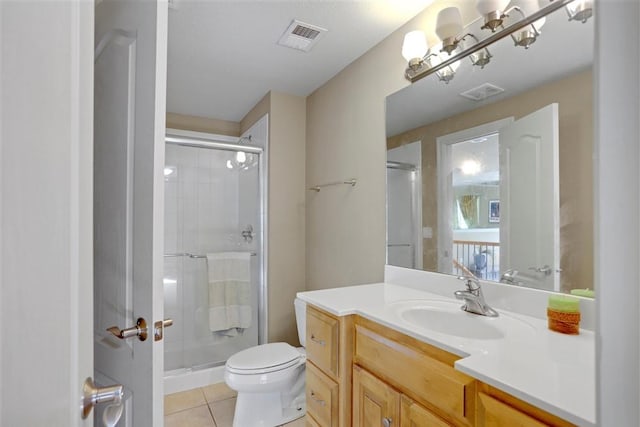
[(444, 196)]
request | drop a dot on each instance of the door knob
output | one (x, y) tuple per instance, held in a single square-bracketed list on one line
[(139, 330), (92, 395), (386, 422), (158, 328)]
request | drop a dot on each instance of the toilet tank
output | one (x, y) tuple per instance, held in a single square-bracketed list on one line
[(301, 320)]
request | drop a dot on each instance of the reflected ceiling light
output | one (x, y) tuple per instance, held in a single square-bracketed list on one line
[(169, 170), (414, 48), (445, 74), (479, 58), (528, 35), (470, 167), (580, 10), (243, 160), (492, 12), (448, 28)]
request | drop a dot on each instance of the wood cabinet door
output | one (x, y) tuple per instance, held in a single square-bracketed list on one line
[(375, 404), (413, 414)]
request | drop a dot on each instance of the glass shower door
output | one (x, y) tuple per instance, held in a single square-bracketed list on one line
[(213, 254)]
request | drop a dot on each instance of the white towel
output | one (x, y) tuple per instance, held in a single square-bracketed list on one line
[(229, 276)]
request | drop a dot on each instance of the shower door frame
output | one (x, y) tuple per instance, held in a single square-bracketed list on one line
[(230, 143)]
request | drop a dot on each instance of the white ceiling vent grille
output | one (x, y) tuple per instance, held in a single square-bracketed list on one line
[(301, 36), (481, 92)]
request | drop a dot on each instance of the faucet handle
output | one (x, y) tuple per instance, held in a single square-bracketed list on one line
[(472, 282)]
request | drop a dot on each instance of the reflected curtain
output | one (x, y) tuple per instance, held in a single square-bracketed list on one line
[(469, 208)]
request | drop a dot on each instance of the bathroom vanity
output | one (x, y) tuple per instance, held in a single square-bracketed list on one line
[(390, 355)]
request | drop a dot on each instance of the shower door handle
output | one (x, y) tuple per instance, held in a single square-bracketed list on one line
[(158, 328)]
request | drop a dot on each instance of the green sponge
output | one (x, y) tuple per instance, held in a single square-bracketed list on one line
[(564, 303)]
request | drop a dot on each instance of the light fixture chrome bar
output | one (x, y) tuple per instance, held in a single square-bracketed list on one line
[(316, 188), (401, 166), (198, 143), (424, 71)]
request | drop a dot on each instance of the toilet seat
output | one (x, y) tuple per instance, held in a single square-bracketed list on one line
[(263, 359)]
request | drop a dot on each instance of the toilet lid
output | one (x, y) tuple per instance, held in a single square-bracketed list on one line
[(264, 358)]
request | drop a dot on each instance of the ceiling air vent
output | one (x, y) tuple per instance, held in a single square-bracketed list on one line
[(481, 92), (301, 36)]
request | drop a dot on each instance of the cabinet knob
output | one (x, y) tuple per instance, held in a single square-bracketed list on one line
[(319, 401), (386, 422), (317, 340)]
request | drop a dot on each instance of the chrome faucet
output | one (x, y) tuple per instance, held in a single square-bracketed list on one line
[(509, 277), (473, 298)]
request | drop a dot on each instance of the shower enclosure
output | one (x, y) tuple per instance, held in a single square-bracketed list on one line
[(214, 217)]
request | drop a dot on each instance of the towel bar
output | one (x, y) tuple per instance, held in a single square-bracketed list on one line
[(190, 255)]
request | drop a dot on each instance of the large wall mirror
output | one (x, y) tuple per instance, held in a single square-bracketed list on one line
[(491, 173)]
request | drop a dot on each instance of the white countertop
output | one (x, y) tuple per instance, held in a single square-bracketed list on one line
[(552, 371)]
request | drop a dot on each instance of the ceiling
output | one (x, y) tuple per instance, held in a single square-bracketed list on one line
[(223, 57)]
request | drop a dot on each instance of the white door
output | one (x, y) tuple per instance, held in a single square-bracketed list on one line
[(45, 211), (130, 79), (529, 198)]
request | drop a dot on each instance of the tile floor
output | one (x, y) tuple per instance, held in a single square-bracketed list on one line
[(210, 406)]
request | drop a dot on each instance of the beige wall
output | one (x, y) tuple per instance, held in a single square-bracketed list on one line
[(202, 124), (346, 139), (286, 200), (575, 98)]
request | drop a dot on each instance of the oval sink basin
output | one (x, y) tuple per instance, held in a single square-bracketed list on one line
[(447, 318)]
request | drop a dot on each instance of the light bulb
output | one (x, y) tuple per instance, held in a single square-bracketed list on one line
[(414, 45), (580, 10), (241, 157), (470, 167), (229, 165)]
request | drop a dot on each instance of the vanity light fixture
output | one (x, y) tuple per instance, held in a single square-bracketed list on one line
[(493, 13), (414, 48), (580, 10), (524, 31), (445, 74), (527, 35), (448, 27), (481, 57)]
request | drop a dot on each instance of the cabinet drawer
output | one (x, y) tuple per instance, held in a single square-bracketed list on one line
[(322, 341), (494, 413), (431, 382), (322, 397), (414, 415)]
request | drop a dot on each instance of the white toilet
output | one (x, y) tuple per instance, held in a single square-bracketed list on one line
[(269, 379)]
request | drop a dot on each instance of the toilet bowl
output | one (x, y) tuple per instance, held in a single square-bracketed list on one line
[(269, 379)]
